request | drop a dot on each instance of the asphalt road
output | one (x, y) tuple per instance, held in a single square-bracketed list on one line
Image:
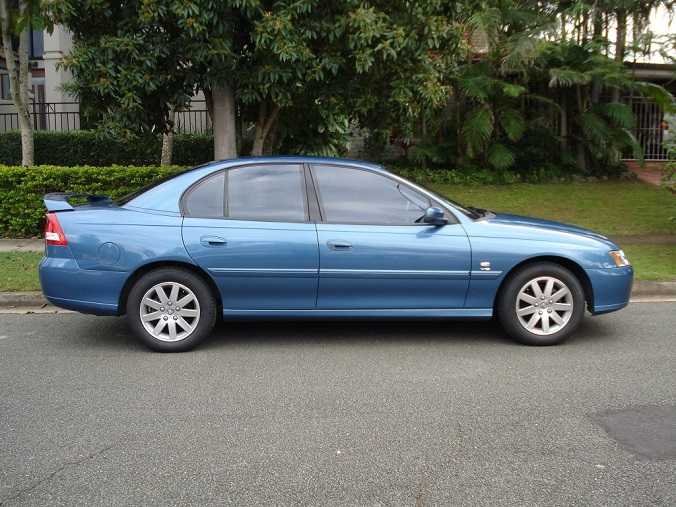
[(366, 413)]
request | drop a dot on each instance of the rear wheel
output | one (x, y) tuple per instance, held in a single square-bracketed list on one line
[(171, 309), (542, 304)]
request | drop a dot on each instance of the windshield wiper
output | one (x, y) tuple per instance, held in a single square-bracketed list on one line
[(480, 212)]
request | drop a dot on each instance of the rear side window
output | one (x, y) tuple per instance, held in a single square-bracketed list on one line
[(355, 196), (205, 200), (272, 192)]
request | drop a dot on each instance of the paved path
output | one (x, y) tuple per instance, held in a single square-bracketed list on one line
[(359, 413), (22, 245)]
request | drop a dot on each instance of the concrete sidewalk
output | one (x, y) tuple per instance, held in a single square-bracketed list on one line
[(22, 245)]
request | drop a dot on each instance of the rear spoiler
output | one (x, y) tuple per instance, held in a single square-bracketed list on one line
[(58, 201)]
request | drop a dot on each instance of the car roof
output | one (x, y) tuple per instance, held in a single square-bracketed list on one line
[(297, 159), (165, 196)]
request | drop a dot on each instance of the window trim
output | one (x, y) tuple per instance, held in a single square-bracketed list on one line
[(186, 193), (452, 219)]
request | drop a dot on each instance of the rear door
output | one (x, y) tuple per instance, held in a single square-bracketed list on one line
[(373, 252), (249, 227)]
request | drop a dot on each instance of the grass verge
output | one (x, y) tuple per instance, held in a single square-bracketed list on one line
[(611, 208), (19, 271), (651, 262)]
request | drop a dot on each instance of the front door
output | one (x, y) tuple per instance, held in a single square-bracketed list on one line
[(374, 254), (248, 227)]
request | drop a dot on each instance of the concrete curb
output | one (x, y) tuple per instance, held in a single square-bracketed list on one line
[(646, 288), (16, 299), (641, 289)]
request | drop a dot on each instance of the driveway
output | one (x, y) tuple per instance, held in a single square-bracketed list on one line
[(369, 413)]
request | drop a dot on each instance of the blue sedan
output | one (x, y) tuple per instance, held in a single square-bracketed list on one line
[(303, 237)]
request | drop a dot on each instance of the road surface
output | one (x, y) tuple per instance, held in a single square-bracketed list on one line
[(339, 413)]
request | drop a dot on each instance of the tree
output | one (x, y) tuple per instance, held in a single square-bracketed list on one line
[(257, 62), (13, 22)]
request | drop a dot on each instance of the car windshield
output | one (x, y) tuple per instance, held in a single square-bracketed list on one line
[(469, 211)]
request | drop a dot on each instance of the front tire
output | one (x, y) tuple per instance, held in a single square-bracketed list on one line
[(541, 304), (171, 309)]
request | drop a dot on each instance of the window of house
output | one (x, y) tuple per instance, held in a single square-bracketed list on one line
[(5, 93), (37, 44)]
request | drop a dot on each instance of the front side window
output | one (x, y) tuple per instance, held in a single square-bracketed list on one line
[(272, 192), (355, 196)]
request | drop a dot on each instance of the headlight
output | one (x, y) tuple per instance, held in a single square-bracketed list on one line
[(619, 258)]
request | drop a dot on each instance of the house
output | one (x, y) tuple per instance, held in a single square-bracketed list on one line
[(53, 108)]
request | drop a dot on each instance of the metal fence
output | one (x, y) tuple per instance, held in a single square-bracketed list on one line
[(60, 116), (65, 116)]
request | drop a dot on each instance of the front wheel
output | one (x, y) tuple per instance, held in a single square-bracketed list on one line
[(171, 309), (542, 304)]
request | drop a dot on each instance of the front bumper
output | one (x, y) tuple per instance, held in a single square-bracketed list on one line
[(66, 285), (611, 288)]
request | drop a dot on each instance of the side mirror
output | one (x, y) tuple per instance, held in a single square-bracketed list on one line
[(434, 216)]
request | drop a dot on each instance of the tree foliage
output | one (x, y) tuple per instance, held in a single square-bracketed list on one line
[(136, 59)]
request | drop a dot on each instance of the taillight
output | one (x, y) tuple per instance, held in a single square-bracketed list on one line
[(53, 232)]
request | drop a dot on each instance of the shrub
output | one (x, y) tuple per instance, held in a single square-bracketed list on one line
[(87, 147), (479, 176), (21, 190)]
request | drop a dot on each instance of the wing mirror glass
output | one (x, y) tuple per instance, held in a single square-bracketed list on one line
[(434, 216)]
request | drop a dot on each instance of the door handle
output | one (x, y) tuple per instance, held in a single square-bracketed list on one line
[(338, 245), (212, 241)]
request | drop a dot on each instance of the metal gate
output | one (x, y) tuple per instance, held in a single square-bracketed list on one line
[(649, 128)]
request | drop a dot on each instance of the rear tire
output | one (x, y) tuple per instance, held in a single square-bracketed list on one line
[(171, 309), (541, 304)]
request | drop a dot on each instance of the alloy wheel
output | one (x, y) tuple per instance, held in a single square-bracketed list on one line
[(544, 305), (169, 311)]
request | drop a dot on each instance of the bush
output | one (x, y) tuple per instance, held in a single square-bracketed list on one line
[(87, 147), (480, 176), (21, 190)]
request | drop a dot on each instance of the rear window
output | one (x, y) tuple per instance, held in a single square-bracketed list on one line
[(133, 195)]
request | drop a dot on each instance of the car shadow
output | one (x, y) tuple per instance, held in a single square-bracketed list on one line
[(115, 335), (291, 332)]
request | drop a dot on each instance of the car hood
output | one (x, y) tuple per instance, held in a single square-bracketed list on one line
[(539, 223)]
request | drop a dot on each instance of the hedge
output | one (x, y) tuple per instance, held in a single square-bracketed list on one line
[(21, 190), (86, 147)]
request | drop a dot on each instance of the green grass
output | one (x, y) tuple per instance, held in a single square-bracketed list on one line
[(612, 208), (19, 271), (651, 262)]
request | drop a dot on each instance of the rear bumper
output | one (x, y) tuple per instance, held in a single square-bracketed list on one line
[(611, 288), (67, 286)]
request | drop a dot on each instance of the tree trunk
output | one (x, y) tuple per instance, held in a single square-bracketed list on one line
[(271, 141), (225, 137), (620, 44), (263, 126), (563, 123), (168, 140), (581, 156), (18, 78)]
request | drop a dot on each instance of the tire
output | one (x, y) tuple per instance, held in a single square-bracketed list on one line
[(541, 321), (191, 323)]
